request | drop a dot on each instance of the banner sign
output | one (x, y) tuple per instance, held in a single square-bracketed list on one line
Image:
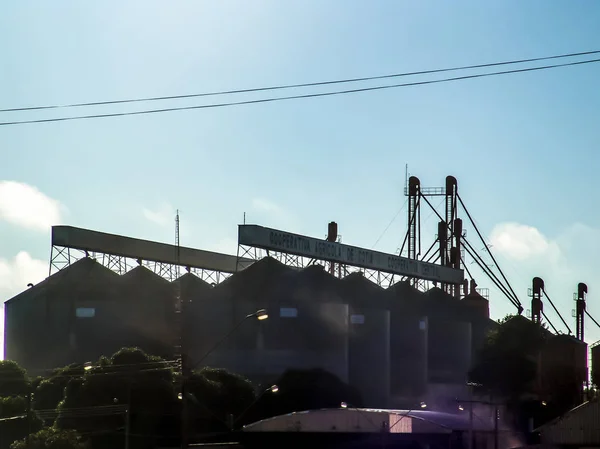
[(300, 245)]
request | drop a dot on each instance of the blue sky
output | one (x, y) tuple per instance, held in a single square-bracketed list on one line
[(521, 146)]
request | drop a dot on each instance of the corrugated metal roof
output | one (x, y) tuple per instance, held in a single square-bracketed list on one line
[(442, 420), (579, 426)]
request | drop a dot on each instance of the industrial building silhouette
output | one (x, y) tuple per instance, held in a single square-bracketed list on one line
[(396, 343), (389, 343)]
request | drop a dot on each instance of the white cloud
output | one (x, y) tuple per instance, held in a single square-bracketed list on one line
[(163, 216), (522, 242), (270, 214), (2, 332), (19, 271), (562, 261), (262, 204), (24, 205), (225, 246), (15, 274)]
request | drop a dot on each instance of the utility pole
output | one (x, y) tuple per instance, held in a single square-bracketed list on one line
[(29, 398), (128, 413), (185, 371), (471, 422), (496, 426)]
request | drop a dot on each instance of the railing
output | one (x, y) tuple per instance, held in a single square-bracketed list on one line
[(429, 191)]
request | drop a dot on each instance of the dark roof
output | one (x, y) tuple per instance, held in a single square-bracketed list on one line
[(260, 272), (438, 294), (258, 282), (443, 304), (191, 281), (312, 283), (85, 273), (142, 275), (566, 338), (141, 284), (403, 289), (474, 296), (356, 288), (316, 276), (517, 321)]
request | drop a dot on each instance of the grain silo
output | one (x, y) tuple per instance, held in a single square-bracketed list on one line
[(222, 335), (63, 319), (369, 339), (595, 371), (308, 324), (563, 366), (408, 344), (147, 303), (449, 338)]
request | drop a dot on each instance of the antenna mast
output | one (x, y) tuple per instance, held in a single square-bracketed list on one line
[(177, 243)]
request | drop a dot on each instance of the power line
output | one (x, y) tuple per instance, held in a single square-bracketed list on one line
[(295, 97), (389, 224), (96, 371), (293, 86)]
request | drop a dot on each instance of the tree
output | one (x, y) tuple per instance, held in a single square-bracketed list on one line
[(217, 396), (507, 368), (15, 388), (13, 379), (50, 392), (129, 380), (14, 420), (52, 438), (301, 390), (507, 363)]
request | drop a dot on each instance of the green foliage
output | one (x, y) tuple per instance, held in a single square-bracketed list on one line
[(13, 379), (15, 407), (506, 318), (217, 394), (93, 403), (129, 379), (52, 438), (507, 363), (51, 391), (301, 390), (12, 406)]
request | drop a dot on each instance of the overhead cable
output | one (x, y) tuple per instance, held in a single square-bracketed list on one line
[(592, 318), (293, 97), (550, 323), (477, 258), (488, 249), (293, 86), (557, 312)]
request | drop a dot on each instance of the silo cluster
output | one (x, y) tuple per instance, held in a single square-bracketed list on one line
[(394, 344)]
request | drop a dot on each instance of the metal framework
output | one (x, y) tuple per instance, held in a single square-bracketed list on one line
[(63, 256), (448, 249), (252, 253), (448, 237), (121, 254)]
